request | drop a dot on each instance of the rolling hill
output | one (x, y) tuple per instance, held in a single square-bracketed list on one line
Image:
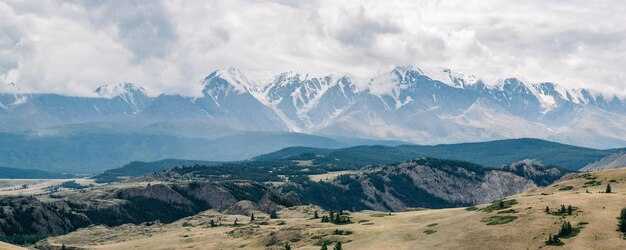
[(489, 154), (18, 173)]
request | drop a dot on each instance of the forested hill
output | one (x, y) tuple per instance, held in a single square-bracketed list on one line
[(16, 173), (493, 154), (489, 154)]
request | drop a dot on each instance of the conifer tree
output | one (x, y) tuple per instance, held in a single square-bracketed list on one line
[(547, 209), (212, 223), (251, 216), (337, 219), (315, 215), (337, 246), (553, 239), (273, 215), (569, 209), (325, 219), (566, 229), (622, 221), (324, 246), (332, 216), (287, 246), (235, 223), (608, 188)]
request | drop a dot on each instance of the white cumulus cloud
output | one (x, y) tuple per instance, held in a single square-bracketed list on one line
[(73, 46)]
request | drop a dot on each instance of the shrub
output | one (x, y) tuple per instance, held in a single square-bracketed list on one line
[(499, 205), (498, 220)]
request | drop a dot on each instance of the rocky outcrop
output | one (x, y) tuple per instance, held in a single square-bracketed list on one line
[(28, 217), (535, 171), (426, 183), (616, 160), (31, 219)]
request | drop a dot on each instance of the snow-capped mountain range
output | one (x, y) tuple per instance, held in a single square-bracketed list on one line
[(424, 106)]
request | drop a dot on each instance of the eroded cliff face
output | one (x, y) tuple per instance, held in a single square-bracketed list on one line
[(535, 171), (30, 216), (424, 184)]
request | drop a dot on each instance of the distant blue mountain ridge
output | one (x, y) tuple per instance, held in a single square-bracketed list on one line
[(237, 117)]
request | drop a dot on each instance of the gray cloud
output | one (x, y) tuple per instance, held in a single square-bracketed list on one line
[(12, 44), (72, 46), (141, 26)]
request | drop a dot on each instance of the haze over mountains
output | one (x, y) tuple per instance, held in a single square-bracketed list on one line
[(408, 104), (254, 116)]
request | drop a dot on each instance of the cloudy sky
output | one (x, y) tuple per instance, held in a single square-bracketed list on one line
[(71, 47)]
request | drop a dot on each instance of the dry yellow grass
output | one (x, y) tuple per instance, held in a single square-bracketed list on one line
[(5, 246), (12, 187), (447, 228), (330, 176)]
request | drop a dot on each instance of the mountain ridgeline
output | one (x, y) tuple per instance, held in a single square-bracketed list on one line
[(425, 106), (494, 154), (18, 173), (103, 149), (235, 117), (490, 154)]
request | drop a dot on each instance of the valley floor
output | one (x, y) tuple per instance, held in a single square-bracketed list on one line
[(14, 187), (595, 212)]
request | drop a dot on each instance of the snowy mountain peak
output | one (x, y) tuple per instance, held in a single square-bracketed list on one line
[(119, 89), (281, 78), (444, 75), (226, 80), (449, 77)]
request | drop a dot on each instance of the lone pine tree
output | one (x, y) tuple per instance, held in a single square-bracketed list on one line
[(622, 221), (608, 188)]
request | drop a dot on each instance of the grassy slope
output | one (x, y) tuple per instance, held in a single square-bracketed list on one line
[(455, 228), (6, 246)]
